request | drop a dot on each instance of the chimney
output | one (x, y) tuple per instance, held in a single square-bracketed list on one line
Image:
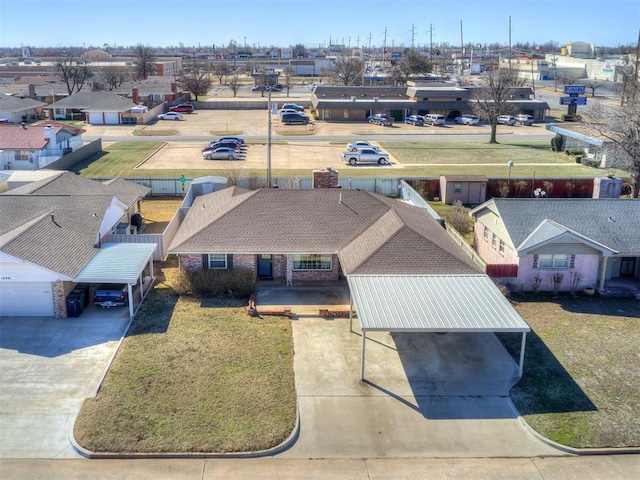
[(134, 94), (49, 132), (32, 91), (327, 178)]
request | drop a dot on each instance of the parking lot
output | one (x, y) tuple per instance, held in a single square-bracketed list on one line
[(297, 146)]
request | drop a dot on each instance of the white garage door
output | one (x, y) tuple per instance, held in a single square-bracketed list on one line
[(29, 299), (111, 118), (96, 118)]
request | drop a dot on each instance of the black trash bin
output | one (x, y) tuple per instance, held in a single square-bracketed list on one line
[(74, 306), (82, 290)]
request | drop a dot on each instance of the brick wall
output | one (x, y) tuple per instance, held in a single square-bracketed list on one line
[(59, 292), (327, 178), (190, 262), (246, 261)]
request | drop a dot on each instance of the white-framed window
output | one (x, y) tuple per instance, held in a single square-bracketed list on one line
[(457, 187), (557, 260), (217, 261), (345, 114), (486, 233), (23, 155), (501, 248), (311, 262), (494, 241)]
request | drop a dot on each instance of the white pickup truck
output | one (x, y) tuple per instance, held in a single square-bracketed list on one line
[(365, 155)]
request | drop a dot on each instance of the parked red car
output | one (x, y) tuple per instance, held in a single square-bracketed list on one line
[(182, 108)]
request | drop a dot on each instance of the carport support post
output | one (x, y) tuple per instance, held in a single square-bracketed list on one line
[(350, 313), (364, 340), (130, 289), (521, 365)]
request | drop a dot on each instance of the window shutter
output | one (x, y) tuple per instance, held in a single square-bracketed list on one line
[(572, 262), (229, 261), (205, 261), (535, 261)]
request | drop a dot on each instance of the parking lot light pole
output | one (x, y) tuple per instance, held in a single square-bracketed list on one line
[(509, 164), (269, 139)]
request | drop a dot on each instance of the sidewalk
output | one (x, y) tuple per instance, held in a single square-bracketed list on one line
[(618, 467)]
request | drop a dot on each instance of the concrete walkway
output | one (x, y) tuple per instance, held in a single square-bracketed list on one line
[(615, 467), (425, 395), (48, 367)]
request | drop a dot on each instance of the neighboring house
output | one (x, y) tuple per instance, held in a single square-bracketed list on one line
[(469, 189), (17, 110), (53, 237), (96, 108), (584, 242), (405, 273), (31, 147)]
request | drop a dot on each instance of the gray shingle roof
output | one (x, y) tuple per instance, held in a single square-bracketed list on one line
[(13, 104), (614, 223), (68, 183), (64, 244), (370, 233), (94, 101)]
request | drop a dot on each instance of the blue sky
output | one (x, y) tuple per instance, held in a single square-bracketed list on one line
[(60, 23)]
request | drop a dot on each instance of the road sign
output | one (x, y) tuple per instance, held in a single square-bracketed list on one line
[(574, 89), (573, 101)]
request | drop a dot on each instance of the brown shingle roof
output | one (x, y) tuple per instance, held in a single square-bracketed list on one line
[(370, 233)]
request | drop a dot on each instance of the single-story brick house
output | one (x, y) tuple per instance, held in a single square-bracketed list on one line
[(405, 273)]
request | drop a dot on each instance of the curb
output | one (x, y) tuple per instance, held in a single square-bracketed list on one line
[(578, 451), (285, 445)]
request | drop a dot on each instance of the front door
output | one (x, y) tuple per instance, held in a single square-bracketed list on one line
[(265, 268), (627, 266)]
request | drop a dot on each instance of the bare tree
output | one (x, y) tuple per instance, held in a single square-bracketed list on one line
[(112, 77), (492, 98), (287, 75), (220, 69), (592, 85), (145, 61), (197, 81), (73, 72), (234, 84), (621, 126), (346, 70)]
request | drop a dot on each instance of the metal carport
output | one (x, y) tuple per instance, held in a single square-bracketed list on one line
[(432, 303), (120, 263)]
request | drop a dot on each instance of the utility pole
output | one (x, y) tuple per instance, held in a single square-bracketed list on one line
[(430, 32), (462, 50), (413, 35), (509, 44), (384, 43), (369, 45)]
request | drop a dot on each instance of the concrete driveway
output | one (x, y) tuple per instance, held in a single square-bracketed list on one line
[(425, 394), (47, 368)]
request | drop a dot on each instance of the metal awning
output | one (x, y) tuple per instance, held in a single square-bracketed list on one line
[(117, 263), (433, 303), (120, 263)]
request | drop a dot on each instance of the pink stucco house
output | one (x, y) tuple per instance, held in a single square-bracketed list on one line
[(559, 243)]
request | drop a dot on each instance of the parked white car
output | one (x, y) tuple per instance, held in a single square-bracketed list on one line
[(170, 116), (468, 119), (355, 146)]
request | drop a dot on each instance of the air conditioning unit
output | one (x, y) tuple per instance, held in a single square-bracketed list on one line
[(353, 99), (375, 99)]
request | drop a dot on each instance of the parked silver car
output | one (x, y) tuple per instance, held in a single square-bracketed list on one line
[(222, 153)]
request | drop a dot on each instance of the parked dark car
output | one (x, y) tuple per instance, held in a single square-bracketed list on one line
[(414, 120), (182, 108), (294, 117), (111, 295), (214, 146), (381, 119)]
